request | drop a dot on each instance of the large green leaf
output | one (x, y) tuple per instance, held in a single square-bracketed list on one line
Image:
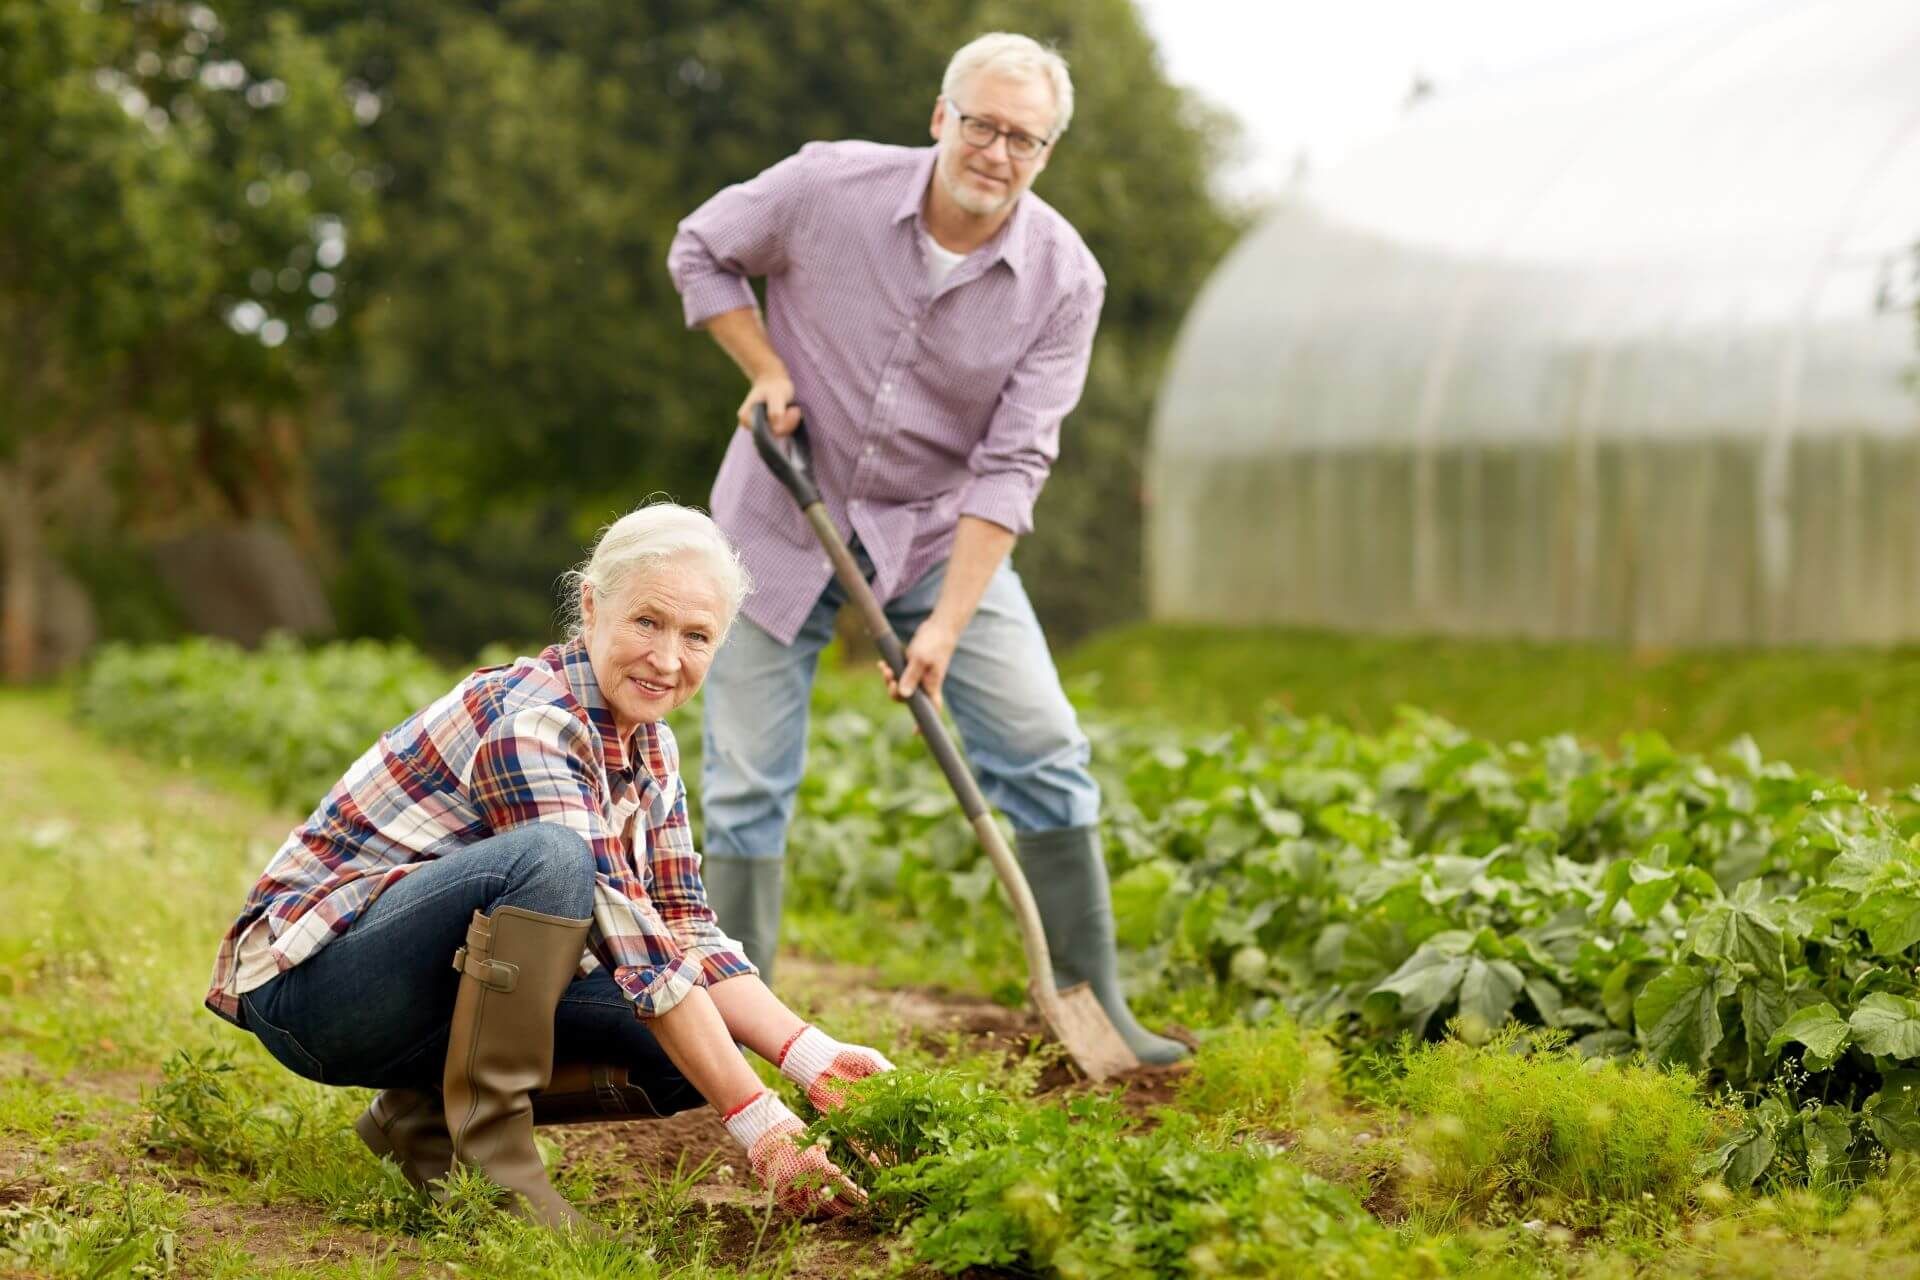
[(1866, 861), (1678, 1014), (1765, 1006), (1487, 992), (1887, 1026), (1739, 935), (1828, 1132), (1820, 1028), (1140, 899), (1894, 1112), (1891, 918)]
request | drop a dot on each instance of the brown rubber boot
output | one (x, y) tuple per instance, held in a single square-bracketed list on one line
[(582, 1093), (409, 1125), (513, 971)]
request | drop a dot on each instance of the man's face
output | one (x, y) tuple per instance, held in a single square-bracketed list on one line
[(651, 645), (985, 181)]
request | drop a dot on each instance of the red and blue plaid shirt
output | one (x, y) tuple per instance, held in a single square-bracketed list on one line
[(508, 746)]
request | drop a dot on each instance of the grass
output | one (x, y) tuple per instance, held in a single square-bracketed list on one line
[(1847, 712)]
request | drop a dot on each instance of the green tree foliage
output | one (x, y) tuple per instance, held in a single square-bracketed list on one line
[(175, 194), (529, 358)]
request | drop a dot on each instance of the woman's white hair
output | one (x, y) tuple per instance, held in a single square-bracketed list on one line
[(649, 537), (1017, 57)]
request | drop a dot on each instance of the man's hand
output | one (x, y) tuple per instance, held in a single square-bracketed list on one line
[(776, 392), (928, 655), (803, 1181), (822, 1066)]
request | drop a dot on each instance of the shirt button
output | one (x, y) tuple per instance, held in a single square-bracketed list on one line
[(869, 451), (827, 565), (913, 324), (886, 386)]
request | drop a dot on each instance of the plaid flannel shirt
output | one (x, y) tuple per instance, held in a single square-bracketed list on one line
[(508, 746)]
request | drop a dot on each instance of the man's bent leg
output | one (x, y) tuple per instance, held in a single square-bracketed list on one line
[(755, 739), (1025, 743)]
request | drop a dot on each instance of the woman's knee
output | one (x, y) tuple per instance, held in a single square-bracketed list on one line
[(553, 870)]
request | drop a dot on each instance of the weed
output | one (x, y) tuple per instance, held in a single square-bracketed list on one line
[(110, 1228), (1273, 1076), (1502, 1124)]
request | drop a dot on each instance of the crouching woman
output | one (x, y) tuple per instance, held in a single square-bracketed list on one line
[(496, 917)]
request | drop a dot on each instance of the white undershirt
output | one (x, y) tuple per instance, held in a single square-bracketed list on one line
[(940, 262)]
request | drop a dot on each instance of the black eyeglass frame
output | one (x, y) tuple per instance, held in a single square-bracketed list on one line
[(1039, 144)]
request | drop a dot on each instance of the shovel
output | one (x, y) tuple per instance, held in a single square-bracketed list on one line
[(1074, 1015)]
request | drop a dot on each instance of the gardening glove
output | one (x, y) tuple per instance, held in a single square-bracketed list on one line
[(821, 1066), (803, 1181)]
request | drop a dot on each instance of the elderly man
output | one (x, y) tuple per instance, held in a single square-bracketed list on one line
[(935, 319)]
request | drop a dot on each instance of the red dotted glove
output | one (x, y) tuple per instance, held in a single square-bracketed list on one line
[(803, 1181), (821, 1065)]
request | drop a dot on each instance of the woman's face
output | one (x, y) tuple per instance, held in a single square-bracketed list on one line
[(652, 640)]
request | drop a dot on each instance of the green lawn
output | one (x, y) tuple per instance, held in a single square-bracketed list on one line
[(1854, 713)]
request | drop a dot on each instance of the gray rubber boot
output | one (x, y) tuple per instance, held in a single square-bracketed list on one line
[(745, 896), (1069, 882)]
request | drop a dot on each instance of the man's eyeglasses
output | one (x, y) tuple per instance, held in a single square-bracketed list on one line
[(979, 134)]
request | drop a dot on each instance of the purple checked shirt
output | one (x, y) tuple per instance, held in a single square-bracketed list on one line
[(921, 406)]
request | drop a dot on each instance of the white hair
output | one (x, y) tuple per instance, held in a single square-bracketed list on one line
[(649, 537), (1016, 57)]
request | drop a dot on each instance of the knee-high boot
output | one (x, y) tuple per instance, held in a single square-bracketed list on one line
[(513, 971), (1069, 882)]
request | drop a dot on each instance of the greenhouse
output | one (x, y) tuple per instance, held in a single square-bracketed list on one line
[(1622, 350)]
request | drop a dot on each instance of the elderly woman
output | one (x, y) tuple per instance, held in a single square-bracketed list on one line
[(496, 917)]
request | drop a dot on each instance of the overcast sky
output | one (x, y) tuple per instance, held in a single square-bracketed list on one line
[(1320, 78)]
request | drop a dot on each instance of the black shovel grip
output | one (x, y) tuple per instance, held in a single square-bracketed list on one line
[(798, 482)]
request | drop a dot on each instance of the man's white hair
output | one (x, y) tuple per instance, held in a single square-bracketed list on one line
[(1017, 57), (647, 539)]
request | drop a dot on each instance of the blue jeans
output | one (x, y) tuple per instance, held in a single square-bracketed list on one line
[(373, 1007), (1020, 732)]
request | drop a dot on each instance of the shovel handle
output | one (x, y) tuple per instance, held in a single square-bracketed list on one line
[(791, 467)]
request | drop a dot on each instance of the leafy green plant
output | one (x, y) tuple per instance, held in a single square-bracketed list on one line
[(975, 1179)]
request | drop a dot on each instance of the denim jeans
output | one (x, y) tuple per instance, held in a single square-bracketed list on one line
[(374, 1006), (1020, 732)]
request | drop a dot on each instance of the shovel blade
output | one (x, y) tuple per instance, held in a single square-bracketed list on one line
[(1078, 1021)]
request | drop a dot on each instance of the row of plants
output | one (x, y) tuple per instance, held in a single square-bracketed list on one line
[(1733, 916), (290, 716), (1736, 917)]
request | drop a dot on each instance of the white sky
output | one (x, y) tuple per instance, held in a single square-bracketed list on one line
[(1319, 78)]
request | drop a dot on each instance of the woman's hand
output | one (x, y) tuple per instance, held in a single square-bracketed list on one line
[(823, 1067), (803, 1181)]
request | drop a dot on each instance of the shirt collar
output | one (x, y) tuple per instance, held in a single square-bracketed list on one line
[(578, 668), (1009, 243)]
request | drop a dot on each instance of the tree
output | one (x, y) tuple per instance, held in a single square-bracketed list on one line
[(177, 205)]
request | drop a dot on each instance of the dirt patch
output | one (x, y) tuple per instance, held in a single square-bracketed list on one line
[(278, 1235)]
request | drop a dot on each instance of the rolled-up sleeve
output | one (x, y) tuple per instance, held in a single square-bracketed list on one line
[(741, 232), (539, 766), (1013, 458)]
